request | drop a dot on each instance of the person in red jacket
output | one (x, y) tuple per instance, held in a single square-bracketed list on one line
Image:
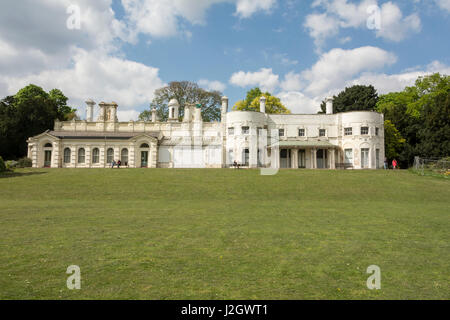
[(394, 164)]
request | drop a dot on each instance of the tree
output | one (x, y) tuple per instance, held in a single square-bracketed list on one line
[(145, 115), (434, 134), (29, 112), (252, 103), (393, 140), (355, 98), (65, 113), (420, 113), (185, 92)]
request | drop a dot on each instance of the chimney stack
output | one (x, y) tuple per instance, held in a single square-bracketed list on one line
[(224, 105), (262, 104), (90, 110), (329, 104), (154, 115)]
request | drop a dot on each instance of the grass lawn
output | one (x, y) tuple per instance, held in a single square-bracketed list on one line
[(223, 234)]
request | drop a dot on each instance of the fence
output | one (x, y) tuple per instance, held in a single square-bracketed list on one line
[(436, 167)]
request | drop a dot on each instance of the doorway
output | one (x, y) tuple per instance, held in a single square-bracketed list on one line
[(144, 159), (322, 157), (47, 158), (285, 158), (302, 159)]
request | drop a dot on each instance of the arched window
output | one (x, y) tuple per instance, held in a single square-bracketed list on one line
[(124, 157), (81, 155), (95, 155), (67, 155), (109, 155), (144, 145), (48, 145)]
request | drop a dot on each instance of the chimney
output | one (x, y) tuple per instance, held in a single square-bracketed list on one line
[(262, 104), (224, 105), (154, 115), (90, 110), (329, 104), (198, 113)]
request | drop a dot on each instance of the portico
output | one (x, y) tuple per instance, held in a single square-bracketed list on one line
[(307, 155)]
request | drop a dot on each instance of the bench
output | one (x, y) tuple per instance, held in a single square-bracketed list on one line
[(344, 166)]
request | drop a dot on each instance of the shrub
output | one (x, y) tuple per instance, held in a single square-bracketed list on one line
[(11, 164), (24, 162), (2, 165)]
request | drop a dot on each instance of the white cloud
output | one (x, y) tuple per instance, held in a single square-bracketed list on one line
[(321, 27), (444, 4), (212, 85), (298, 103), (393, 26), (264, 78), (340, 14), (246, 8), (292, 81), (386, 83), (303, 92), (98, 76), (164, 18), (338, 65)]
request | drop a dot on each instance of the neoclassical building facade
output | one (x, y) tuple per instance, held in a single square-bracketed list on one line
[(252, 139)]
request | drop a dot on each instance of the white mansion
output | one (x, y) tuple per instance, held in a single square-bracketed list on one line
[(252, 139)]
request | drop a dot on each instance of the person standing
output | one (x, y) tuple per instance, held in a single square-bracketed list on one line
[(386, 164), (394, 164)]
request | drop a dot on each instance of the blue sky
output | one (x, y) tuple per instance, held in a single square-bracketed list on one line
[(301, 51)]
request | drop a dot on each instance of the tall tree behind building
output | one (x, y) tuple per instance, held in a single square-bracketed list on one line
[(185, 92), (355, 98)]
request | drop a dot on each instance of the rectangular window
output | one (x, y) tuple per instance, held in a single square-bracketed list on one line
[(301, 132), (322, 132), (377, 155), (281, 132), (348, 156), (348, 131), (245, 130), (231, 131), (364, 130), (377, 131), (245, 157)]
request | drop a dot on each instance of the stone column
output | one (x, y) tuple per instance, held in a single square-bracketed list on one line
[(332, 159), (55, 155), (131, 157), (87, 159), (253, 149), (73, 156), (314, 158), (294, 158)]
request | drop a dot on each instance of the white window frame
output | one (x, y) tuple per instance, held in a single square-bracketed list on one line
[(348, 131), (304, 132), (361, 130)]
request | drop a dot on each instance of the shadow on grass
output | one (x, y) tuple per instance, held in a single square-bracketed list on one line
[(8, 174)]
